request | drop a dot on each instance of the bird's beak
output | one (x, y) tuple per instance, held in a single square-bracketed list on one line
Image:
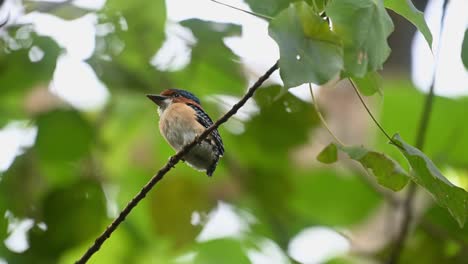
[(157, 99)]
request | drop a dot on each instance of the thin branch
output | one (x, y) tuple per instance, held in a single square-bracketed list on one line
[(367, 177), (369, 112), (420, 140), (169, 165), (269, 18), (315, 103)]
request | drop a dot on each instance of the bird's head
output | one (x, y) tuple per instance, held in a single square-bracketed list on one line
[(170, 96)]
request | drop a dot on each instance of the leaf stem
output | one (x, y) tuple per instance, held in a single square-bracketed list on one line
[(269, 18), (315, 103), (370, 113)]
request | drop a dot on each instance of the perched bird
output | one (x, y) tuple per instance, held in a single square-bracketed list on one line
[(181, 120)]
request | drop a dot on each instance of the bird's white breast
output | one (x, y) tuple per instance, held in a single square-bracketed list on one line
[(178, 125)]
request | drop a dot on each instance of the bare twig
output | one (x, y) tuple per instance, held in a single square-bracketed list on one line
[(420, 140), (169, 165)]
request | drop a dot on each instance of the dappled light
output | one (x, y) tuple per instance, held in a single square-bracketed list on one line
[(341, 131)]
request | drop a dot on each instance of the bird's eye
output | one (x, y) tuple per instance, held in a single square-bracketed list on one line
[(176, 95)]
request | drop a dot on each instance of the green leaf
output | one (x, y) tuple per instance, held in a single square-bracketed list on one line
[(63, 135), (227, 251), (270, 7), (464, 54), (427, 175), (387, 171), (309, 50), (406, 9), (369, 84), (329, 154), (364, 26)]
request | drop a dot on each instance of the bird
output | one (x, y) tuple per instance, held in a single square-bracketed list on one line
[(181, 120)]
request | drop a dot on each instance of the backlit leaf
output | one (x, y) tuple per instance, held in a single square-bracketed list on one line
[(387, 171), (369, 84), (426, 174), (329, 154), (406, 9), (364, 26), (309, 50)]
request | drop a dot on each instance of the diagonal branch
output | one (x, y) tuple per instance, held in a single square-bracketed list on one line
[(169, 165)]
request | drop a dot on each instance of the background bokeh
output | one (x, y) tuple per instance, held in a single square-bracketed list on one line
[(78, 139)]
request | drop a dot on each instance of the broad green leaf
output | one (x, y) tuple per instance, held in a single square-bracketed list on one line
[(369, 84), (364, 26), (464, 54), (329, 154), (309, 50), (228, 251), (427, 175), (406, 9), (63, 135), (386, 170)]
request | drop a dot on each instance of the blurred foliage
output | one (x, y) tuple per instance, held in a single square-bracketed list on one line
[(85, 165)]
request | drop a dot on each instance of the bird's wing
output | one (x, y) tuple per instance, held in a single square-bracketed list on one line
[(206, 121)]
